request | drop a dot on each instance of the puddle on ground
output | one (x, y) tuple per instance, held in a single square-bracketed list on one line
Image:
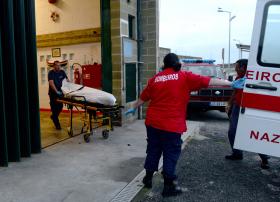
[(127, 170)]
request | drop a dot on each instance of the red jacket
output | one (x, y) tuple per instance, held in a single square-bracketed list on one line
[(169, 93)]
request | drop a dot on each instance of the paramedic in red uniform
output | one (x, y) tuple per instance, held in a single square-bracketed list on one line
[(168, 93), (55, 78), (233, 109)]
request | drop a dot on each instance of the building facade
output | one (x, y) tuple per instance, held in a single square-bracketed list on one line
[(121, 35), (133, 37)]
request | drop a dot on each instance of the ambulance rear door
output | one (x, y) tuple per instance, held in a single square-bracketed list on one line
[(259, 119)]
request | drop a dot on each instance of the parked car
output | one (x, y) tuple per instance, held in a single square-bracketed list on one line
[(213, 97)]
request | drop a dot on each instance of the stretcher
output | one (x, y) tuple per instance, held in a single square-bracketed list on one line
[(90, 94), (95, 116)]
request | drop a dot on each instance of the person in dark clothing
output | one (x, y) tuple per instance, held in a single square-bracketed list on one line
[(55, 78), (233, 109)]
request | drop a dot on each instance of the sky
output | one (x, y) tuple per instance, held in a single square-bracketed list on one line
[(195, 28)]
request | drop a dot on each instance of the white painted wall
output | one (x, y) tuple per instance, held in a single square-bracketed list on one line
[(82, 54), (74, 15)]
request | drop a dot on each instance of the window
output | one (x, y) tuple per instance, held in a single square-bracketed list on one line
[(64, 56), (71, 56), (131, 27), (71, 73), (42, 58), (43, 75), (130, 81), (269, 48), (212, 71)]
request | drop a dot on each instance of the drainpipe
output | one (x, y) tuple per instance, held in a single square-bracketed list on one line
[(139, 50)]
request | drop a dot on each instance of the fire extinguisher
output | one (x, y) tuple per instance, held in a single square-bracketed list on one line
[(77, 76)]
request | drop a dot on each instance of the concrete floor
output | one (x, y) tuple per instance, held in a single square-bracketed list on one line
[(49, 135), (75, 171)]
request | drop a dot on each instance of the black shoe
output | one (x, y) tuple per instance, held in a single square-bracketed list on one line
[(56, 123), (233, 157), (171, 189), (148, 182), (148, 179), (58, 127), (264, 164)]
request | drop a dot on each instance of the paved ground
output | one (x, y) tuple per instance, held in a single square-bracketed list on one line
[(75, 171), (208, 177)]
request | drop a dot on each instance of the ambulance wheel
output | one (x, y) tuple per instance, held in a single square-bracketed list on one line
[(105, 134), (87, 138)]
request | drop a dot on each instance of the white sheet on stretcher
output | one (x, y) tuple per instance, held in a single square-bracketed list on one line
[(91, 94)]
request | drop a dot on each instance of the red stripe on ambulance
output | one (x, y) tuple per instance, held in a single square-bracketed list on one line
[(262, 102)]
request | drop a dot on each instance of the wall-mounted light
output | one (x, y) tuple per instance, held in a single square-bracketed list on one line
[(54, 16)]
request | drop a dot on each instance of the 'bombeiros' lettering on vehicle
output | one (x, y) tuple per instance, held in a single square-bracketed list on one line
[(263, 76), (166, 78), (273, 138)]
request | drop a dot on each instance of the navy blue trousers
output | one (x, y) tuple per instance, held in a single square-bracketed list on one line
[(163, 143), (232, 131), (56, 108)]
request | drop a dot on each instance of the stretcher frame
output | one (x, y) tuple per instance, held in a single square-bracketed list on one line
[(95, 116)]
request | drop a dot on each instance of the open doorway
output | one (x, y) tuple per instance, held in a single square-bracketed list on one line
[(69, 32)]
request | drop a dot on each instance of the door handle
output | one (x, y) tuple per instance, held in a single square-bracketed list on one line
[(257, 86)]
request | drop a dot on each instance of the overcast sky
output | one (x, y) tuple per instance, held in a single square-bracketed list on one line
[(195, 28)]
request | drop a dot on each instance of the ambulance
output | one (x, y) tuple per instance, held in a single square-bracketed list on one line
[(259, 119)]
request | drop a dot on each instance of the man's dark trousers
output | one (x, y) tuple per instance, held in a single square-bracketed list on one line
[(56, 108), (163, 143), (232, 132)]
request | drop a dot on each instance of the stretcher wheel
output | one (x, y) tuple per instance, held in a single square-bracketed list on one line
[(105, 134), (87, 138), (70, 132)]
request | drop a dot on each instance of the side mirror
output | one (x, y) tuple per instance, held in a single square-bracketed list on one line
[(230, 78)]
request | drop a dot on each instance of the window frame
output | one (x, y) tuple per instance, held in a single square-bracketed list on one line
[(262, 36), (131, 27)]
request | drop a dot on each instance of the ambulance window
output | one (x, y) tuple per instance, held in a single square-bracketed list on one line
[(269, 48)]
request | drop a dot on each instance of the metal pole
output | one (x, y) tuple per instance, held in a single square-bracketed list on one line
[(229, 22), (229, 31)]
